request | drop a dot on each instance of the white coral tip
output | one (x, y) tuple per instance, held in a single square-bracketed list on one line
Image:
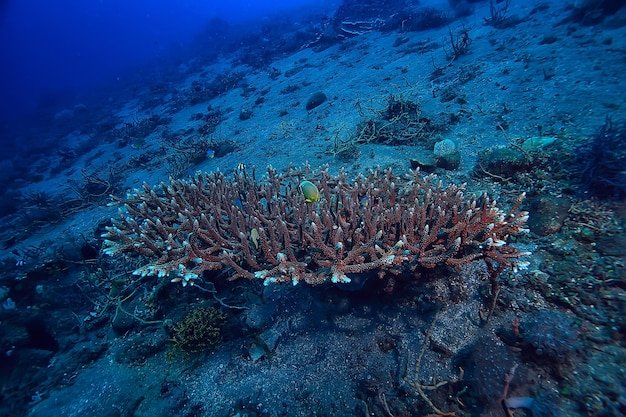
[(340, 277), (519, 266), (389, 259)]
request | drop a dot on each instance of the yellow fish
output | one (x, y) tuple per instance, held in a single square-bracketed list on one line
[(254, 237), (310, 192)]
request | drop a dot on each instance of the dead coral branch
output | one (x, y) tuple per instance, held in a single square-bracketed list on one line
[(265, 229)]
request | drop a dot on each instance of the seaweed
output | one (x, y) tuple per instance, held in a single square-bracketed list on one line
[(603, 162)]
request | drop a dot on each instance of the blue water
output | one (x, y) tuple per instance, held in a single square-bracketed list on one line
[(55, 51)]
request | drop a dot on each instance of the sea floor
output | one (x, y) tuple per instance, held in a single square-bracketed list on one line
[(84, 337)]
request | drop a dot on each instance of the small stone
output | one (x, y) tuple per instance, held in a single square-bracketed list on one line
[(446, 154), (425, 164), (548, 214), (245, 114), (501, 160), (315, 100), (256, 352)]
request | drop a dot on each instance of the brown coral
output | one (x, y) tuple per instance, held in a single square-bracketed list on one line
[(265, 229)]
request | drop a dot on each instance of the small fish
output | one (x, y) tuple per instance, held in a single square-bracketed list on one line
[(254, 237), (310, 192), (238, 202), (210, 153), (241, 166), (364, 202)]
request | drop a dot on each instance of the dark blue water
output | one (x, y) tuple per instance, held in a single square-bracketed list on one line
[(56, 51)]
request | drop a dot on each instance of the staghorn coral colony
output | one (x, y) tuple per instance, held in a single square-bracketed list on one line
[(267, 229)]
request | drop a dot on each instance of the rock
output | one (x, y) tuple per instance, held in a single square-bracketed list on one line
[(259, 316), (447, 155), (256, 352), (425, 164), (548, 214), (501, 161), (549, 337), (272, 335), (315, 100), (490, 361), (245, 114)]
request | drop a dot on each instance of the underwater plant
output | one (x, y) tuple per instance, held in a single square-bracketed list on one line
[(602, 159), (199, 331)]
